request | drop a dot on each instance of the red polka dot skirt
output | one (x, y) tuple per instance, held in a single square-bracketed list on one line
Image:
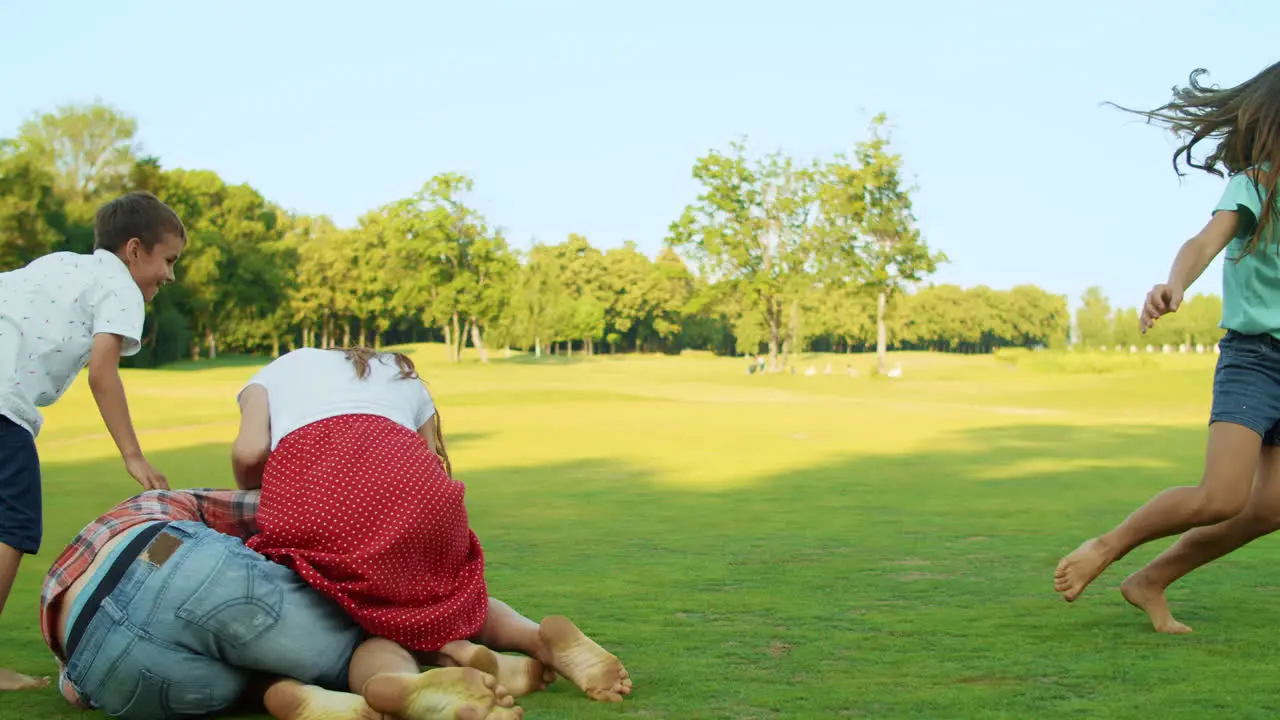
[(363, 511)]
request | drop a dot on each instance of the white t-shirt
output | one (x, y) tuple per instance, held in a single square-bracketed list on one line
[(49, 312), (309, 385)]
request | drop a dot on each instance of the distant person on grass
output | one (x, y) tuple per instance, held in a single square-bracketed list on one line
[(358, 498), (57, 314), (158, 611), (1238, 498)]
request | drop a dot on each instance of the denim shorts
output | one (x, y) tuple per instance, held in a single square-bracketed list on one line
[(1246, 385), (20, 511), (183, 630)]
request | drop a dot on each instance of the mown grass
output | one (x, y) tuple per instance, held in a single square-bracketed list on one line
[(785, 546)]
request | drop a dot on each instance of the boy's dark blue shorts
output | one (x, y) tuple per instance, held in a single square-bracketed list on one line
[(20, 512)]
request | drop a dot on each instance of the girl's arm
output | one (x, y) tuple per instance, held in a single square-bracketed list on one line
[(253, 442), (1199, 251), (431, 432)]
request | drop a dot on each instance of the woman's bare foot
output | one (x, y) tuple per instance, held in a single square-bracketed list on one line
[(519, 674), (291, 700), (459, 693), (10, 680), (586, 664), (1080, 568), (1149, 598)]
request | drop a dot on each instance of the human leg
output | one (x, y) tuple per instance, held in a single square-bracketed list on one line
[(558, 644), (1231, 460), (20, 522), (1246, 405), (388, 678), (1145, 588)]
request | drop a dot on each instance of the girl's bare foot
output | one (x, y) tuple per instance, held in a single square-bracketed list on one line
[(519, 674), (460, 693), (291, 700), (586, 664), (1080, 568), (10, 680), (1149, 598)]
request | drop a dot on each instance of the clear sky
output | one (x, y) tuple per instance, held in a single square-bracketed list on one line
[(587, 116)]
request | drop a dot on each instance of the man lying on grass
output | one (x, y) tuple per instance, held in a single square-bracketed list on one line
[(157, 610)]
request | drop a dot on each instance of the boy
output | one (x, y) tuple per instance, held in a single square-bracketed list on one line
[(60, 313)]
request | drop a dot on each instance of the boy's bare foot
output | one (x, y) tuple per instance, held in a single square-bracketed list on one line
[(460, 693), (10, 680), (519, 674), (1080, 568), (291, 700), (1149, 598), (586, 664)]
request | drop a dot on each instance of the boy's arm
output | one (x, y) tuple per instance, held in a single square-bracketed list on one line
[(253, 443), (108, 392)]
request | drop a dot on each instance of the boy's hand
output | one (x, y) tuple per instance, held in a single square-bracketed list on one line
[(1162, 300), (146, 475)]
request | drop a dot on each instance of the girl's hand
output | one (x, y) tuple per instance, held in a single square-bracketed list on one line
[(1162, 300)]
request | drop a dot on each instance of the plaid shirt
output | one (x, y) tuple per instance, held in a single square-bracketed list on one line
[(228, 511)]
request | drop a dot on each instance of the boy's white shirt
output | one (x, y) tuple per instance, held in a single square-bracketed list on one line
[(49, 312)]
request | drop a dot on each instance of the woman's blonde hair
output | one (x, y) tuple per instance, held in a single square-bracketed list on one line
[(360, 357)]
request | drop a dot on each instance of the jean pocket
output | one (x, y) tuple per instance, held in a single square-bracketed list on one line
[(158, 699), (238, 600)]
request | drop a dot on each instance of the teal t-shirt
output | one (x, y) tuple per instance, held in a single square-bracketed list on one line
[(1250, 287)]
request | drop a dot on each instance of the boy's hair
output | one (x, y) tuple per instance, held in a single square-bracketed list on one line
[(1245, 120), (135, 215), (360, 357)]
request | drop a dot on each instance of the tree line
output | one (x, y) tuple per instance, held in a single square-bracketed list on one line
[(774, 256), (1100, 326)]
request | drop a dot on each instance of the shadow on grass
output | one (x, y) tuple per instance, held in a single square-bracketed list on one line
[(910, 585)]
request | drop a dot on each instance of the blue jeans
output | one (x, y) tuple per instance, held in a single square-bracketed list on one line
[(1246, 385), (191, 619)]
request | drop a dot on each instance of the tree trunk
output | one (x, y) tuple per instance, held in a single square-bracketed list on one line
[(275, 346), (775, 338), (568, 346), (346, 333), (448, 340), (454, 348), (880, 331), (212, 341), (537, 347), (377, 339), (588, 346), (462, 338), (195, 350), (363, 333), (477, 341)]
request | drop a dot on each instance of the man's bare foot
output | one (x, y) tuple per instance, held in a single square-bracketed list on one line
[(460, 693), (586, 664), (1080, 568), (1149, 598), (291, 700), (10, 680)]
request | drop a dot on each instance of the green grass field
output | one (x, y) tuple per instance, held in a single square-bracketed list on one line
[(784, 546)]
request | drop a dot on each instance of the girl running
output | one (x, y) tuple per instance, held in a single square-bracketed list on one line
[(1240, 487)]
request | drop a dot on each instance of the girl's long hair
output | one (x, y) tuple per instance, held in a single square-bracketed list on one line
[(360, 357), (1245, 122)]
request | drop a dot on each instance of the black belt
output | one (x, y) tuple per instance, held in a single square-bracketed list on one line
[(115, 572)]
